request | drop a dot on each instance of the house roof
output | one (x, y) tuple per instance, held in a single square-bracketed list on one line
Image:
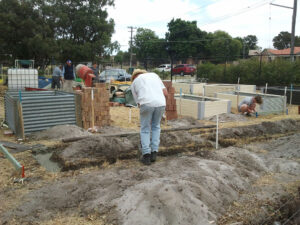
[(286, 51)]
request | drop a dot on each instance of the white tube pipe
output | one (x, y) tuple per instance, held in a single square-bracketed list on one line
[(284, 109), (217, 133), (291, 94)]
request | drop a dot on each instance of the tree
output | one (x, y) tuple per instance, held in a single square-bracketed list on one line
[(122, 57), (148, 46), (223, 47), (248, 43), (83, 29), (283, 40), (185, 39), (56, 29), (24, 32)]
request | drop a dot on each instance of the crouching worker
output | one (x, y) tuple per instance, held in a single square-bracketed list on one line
[(149, 93), (248, 104)]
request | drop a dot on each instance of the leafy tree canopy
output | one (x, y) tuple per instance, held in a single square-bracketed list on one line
[(147, 45), (223, 47), (56, 29), (283, 40), (185, 39)]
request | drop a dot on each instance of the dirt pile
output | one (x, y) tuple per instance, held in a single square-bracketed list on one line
[(184, 122), (180, 190), (229, 136), (96, 150), (59, 132), (113, 130), (228, 118)]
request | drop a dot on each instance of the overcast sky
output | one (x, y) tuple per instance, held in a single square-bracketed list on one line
[(239, 18)]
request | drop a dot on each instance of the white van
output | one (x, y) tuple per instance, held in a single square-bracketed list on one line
[(164, 68)]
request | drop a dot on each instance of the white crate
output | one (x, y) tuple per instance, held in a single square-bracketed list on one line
[(21, 78)]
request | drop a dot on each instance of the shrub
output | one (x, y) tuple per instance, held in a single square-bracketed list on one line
[(278, 72)]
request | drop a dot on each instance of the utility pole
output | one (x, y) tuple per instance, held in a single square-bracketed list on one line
[(131, 31), (293, 30), (294, 8)]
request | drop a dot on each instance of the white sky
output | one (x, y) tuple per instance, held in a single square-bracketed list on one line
[(236, 17)]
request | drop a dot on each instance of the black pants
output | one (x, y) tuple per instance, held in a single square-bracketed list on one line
[(55, 82)]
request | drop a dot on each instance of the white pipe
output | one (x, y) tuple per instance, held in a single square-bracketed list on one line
[(217, 133), (238, 95), (285, 99), (291, 94)]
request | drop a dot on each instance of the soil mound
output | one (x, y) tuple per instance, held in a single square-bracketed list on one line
[(95, 150), (265, 128), (228, 118), (60, 132), (184, 122)]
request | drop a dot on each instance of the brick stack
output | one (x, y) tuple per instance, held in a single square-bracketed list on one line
[(171, 111), (101, 106)]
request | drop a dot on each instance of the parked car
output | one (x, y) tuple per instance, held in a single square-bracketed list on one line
[(184, 69), (114, 74), (164, 68)]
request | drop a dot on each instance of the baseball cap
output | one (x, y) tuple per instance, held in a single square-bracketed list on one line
[(69, 61)]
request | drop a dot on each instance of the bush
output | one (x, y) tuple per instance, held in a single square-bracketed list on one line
[(210, 71), (278, 72), (163, 75)]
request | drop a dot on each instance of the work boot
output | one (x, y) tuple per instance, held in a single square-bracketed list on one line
[(146, 159), (153, 156)]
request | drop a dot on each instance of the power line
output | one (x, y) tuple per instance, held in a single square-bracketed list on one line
[(244, 10)]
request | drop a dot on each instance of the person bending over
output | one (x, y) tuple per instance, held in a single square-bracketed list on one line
[(248, 104), (150, 94)]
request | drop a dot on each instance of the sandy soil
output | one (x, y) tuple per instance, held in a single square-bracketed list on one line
[(192, 190)]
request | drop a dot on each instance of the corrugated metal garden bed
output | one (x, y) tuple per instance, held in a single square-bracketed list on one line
[(40, 110)]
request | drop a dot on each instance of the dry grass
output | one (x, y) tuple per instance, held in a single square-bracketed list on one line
[(120, 117)]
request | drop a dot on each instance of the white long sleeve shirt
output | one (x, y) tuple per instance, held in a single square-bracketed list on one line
[(147, 89)]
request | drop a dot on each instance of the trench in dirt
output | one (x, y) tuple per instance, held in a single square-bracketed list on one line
[(95, 150)]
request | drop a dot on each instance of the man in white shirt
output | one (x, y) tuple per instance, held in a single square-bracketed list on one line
[(150, 94)]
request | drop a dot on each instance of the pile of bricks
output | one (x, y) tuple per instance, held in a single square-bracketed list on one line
[(171, 111), (100, 103)]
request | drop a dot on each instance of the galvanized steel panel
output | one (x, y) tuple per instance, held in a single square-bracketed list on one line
[(41, 109)]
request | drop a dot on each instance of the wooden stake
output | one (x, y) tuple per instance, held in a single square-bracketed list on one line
[(93, 111)]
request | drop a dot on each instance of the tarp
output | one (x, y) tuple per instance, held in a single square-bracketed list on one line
[(129, 100)]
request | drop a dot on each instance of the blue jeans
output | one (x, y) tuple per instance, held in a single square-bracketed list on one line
[(150, 121)]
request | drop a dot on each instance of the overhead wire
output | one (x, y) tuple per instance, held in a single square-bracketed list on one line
[(244, 10)]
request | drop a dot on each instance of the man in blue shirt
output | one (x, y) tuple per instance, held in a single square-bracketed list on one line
[(56, 77)]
